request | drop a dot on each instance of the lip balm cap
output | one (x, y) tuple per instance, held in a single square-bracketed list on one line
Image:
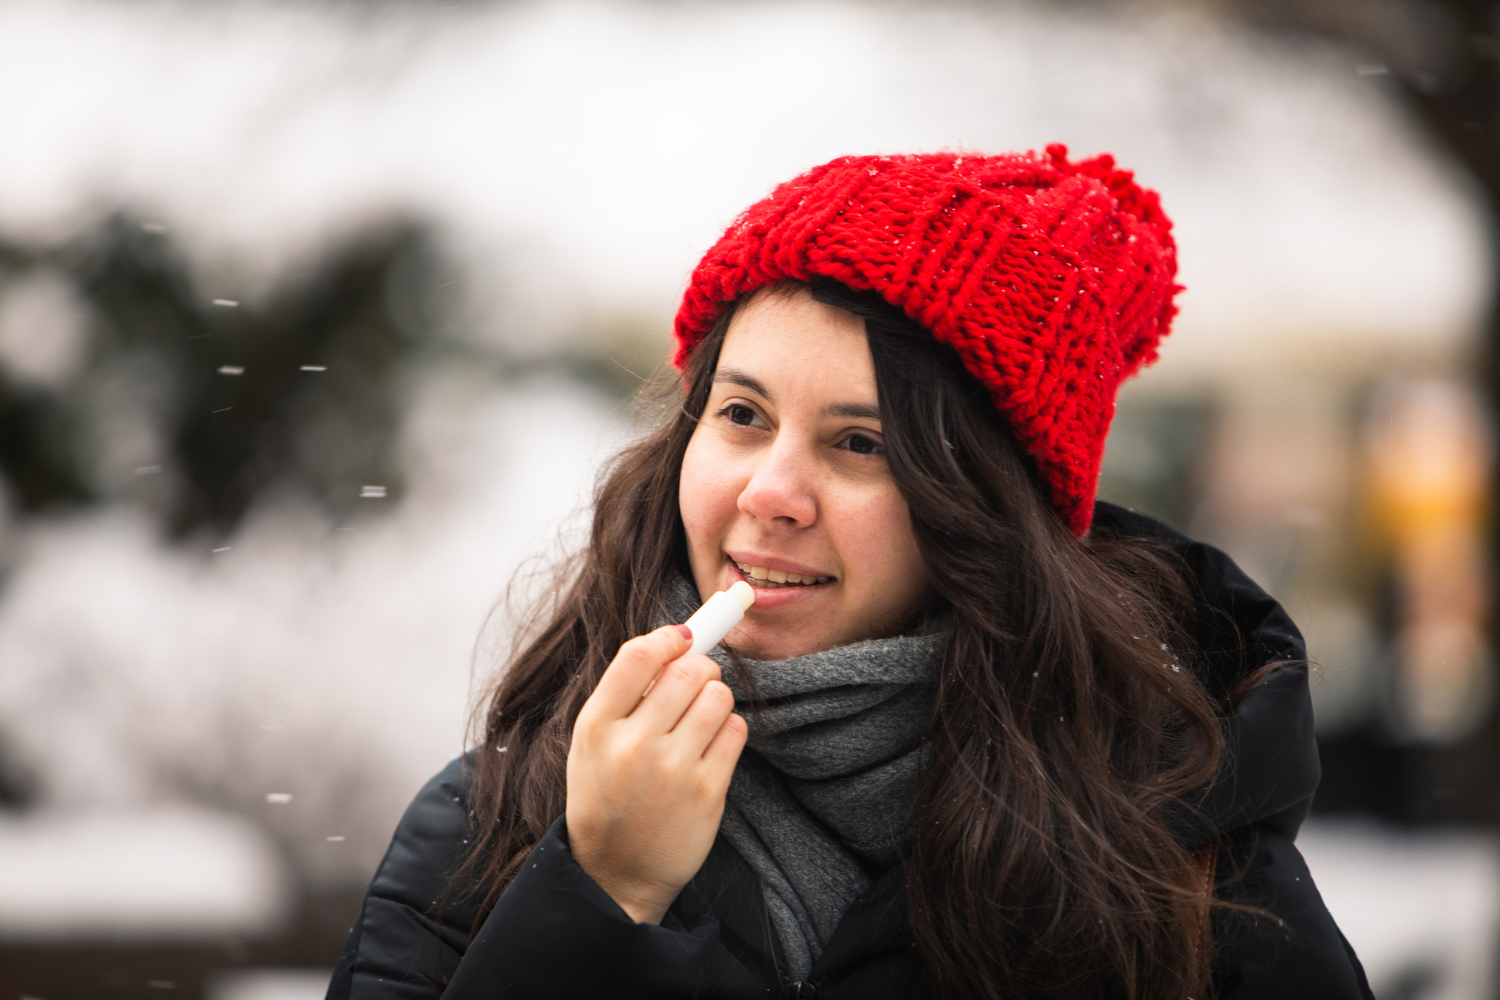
[(720, 613), (743, 593)]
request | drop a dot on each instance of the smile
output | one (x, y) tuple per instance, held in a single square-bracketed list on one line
[(773, 578)]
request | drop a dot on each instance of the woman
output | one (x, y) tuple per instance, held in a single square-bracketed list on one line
[(979, 736)]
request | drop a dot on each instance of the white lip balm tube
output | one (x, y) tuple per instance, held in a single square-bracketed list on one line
[(720, 613)]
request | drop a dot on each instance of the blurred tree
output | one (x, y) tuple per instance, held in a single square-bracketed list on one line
[(122, 380), (1443, 59), (38, 453), (302, 392)]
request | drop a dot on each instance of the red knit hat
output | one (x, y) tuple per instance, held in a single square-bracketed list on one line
[(1052, 280)]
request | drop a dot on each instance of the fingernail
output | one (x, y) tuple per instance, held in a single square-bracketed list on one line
[(684, 631)]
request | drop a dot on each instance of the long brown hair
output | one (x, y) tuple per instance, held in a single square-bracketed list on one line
[(1065, 723)]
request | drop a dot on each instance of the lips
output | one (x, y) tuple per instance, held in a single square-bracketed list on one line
[(772, 579)]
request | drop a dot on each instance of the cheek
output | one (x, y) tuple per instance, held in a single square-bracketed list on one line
[(706, 495), (881, 543)]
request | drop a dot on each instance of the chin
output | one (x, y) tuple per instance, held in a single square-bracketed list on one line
[(778, 647)]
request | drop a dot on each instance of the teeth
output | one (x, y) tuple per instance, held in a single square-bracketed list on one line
[(778, 578)]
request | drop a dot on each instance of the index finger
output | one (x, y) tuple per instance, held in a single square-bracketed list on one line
[(632, 670)]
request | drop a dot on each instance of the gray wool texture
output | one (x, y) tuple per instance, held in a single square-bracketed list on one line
[(820, 798)]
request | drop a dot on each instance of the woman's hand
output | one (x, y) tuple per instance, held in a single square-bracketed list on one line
[(647, 775)]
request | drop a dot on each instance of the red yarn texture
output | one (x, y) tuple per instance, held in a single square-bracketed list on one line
[(1053, 280)]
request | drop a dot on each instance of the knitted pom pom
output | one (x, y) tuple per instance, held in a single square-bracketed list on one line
[(1052, 280)]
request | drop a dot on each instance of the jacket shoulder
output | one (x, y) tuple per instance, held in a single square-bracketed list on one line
[(413, 928), (1235, 625), (1270, 770), (428, 843)]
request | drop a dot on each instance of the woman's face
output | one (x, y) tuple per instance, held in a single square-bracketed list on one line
[(785, 479)]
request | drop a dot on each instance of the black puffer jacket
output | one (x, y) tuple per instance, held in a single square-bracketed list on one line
[(556, 934)]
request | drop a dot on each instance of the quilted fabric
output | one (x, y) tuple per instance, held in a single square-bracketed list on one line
[(1053, 280)]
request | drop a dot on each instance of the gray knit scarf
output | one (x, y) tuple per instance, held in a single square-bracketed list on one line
[(820, 798)]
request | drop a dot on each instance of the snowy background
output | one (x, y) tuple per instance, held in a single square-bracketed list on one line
[(268, 700)]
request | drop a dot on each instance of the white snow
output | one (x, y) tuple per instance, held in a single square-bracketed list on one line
[(1414, 905), (175, 872), (581, 154), (312, 677)]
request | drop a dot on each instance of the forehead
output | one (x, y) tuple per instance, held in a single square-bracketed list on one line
[(790, 342)]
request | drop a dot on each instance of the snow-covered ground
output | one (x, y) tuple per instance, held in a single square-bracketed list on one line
[(1420, 908), (138, 875)]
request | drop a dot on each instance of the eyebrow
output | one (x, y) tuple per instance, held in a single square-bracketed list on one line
[(744, 380), (854, 411), (849, 411)]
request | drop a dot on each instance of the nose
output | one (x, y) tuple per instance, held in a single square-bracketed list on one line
[(781, 489)]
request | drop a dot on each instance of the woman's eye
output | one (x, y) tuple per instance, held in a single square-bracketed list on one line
[(863, 444), (742, 415), (739, 413)]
